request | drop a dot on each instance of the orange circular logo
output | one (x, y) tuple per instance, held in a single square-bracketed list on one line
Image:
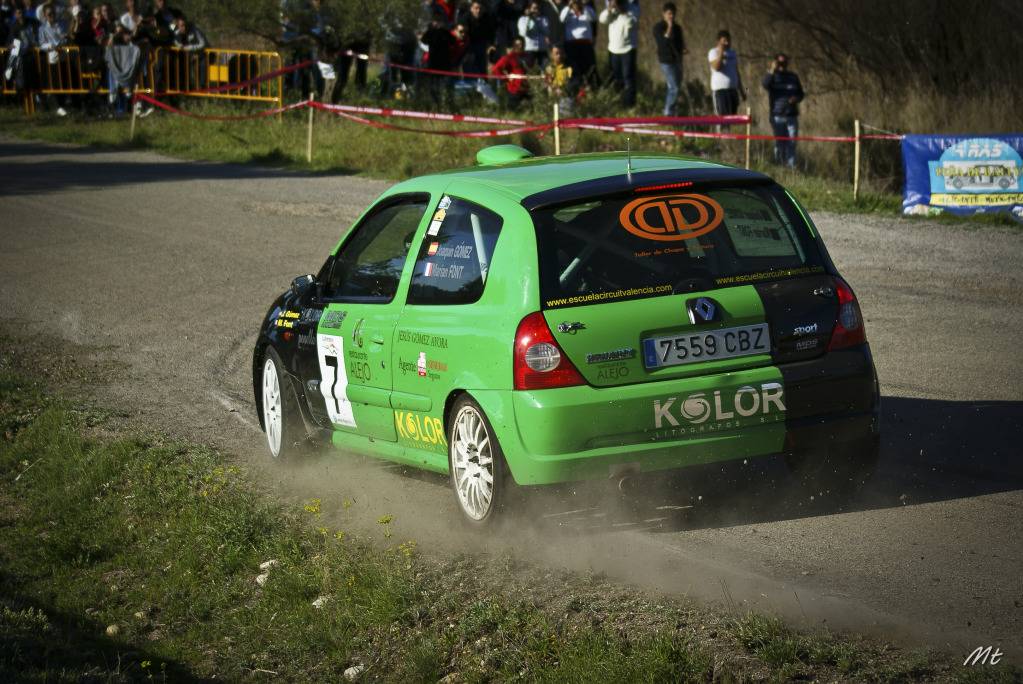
[(662, 217)]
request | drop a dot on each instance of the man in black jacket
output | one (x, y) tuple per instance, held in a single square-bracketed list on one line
[(670, 48), (784, 92)]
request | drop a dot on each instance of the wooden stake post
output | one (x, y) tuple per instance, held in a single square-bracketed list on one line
[(856, 163), (557, 131), (134, 116), (309, 137)]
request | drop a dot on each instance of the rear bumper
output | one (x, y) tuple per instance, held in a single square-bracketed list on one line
[(581, 433)]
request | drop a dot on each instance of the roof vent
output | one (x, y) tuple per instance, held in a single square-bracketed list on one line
[(501, 154)]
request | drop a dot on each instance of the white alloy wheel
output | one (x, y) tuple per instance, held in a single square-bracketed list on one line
[(273, 416), (472, 463)]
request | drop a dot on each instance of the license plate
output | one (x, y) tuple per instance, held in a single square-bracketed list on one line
[(706, 345)]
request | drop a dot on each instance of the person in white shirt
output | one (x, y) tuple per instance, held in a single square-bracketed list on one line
[(621, 44), (535, 32), (132, 18), (578, 20), (725, 81)]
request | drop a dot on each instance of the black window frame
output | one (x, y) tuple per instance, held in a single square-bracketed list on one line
[(326, 271)]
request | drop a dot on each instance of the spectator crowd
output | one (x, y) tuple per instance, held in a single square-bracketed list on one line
[(111, 43), (504, 50)]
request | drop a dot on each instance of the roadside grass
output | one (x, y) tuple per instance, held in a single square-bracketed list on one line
[(126, 556), (346, 147)]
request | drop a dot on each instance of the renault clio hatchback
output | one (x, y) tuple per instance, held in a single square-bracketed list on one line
[(539, 320)]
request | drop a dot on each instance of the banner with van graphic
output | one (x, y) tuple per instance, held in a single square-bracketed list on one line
[(963, 174)]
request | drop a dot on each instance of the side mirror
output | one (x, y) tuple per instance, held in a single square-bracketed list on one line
[(300, 285)]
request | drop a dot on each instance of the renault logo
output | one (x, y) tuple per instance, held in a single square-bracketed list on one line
[(702, 310)]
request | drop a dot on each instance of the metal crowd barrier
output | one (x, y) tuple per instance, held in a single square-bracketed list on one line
[(205, 73), (170, 71)]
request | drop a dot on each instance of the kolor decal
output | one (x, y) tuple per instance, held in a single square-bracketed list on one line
[(671, 218), (416, 427), (698, 408), (334, 384)]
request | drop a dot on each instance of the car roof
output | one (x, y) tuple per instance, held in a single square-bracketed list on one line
[(542, 179)]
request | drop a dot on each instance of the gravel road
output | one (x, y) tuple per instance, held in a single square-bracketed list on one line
[(159, 270)]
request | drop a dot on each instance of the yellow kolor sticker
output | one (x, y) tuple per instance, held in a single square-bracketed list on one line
[(440, 215), (416, 427), (664, 217)]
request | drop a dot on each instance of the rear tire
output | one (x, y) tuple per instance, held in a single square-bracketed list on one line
[(479, 475), (282, 420), (840, 471)]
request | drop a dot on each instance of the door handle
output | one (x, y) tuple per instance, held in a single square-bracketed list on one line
[(377, 339)]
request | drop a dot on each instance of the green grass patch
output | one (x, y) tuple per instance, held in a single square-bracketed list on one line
[(347, 147), (126, 556)]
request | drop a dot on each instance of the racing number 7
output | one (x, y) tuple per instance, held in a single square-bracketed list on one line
[(331, 361)]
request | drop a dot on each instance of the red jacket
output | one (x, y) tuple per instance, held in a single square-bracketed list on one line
[(511, 63)]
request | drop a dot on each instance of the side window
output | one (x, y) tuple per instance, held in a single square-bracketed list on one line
[(455, 255), (368, 266)]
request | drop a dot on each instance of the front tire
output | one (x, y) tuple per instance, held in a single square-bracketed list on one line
[(476, 464), (282, 422)]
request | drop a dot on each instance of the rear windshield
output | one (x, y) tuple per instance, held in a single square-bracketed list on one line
[(629, 247)]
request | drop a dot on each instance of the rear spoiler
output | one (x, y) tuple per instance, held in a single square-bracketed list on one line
[(625, 183)]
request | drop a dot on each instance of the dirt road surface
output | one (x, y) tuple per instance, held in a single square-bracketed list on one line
[(158, 271)]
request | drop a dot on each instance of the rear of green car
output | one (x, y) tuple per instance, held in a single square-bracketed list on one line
[(683, 322)]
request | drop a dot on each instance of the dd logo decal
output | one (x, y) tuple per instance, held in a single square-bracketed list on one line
[(671, 217)]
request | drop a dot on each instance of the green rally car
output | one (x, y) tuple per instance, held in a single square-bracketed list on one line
[(540, 320)]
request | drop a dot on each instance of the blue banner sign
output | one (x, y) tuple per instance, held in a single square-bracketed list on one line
[(963, 174)]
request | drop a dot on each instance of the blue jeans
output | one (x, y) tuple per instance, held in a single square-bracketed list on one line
[(785, 150), (673, 78)]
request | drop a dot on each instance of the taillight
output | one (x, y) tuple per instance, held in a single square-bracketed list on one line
[(849, 329), (539, 361)]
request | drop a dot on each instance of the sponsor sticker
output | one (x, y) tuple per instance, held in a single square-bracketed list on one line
[(332, 319), (422, 339), (671, 218), (445, 202), (432, 249), (425, 431), (440, 215), (421, 365), (334, 379), (433, 229), (765, 403)]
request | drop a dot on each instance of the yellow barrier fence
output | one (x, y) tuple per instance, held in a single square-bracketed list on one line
[(170, 71), (196, 73)]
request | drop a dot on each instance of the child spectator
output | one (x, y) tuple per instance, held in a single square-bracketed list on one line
[(517, 89), (558, 76)]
